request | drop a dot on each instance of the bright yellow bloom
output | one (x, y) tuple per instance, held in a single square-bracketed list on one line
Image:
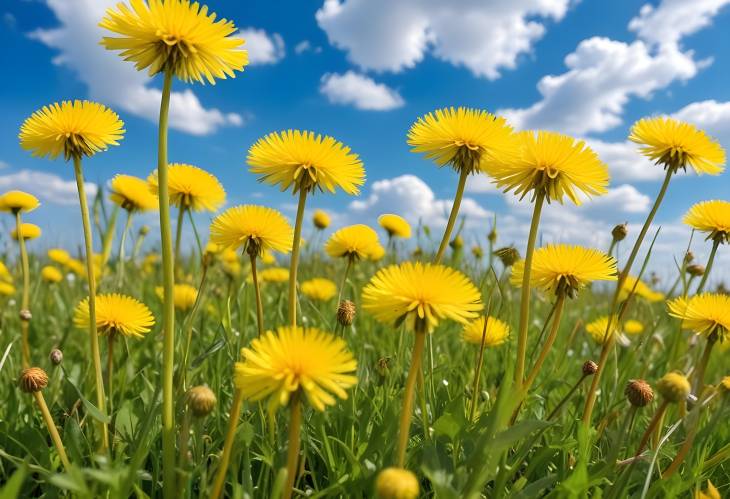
[(706, 313), (555, 165), (5, 273), (711, 217), (377, 252), (292, 359), (51, 274), (676, 144), (396, 483), (306, 161), (59, 256), (149, 263), (497, 331), (395, 225), (29, 231), (597, 329), (79, 268), (268, 258), (321, 219), (632, 326), (642, 289), (177, 36), (184, 296), (191, 187), (425, 292), (557, 265), (78, 128), (467, 139), (255, 228), (132, 193), (274, 274), (710, 493), (354, 241), (116, 314), (319, 289), (18, 201), (6, 289)]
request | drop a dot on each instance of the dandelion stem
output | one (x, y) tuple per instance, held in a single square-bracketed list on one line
[(295, 258), (189, 321), (292, 455), (658, 416), (220, 476), (525, 291), (106, 243), (257, 294), (478, 371), (702, 365), (91, 279), (566, 398), (463, 174), (168, 281), (110, 369), (25, 303), (344, 279), (52, 429), (122, 241), (178, 234), (559, 305), (407, 411), (708, 267)]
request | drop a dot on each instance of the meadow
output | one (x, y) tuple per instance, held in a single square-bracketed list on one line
[(268, 357)]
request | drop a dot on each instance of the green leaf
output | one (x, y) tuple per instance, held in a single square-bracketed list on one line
[(91, 409), (11, 490)]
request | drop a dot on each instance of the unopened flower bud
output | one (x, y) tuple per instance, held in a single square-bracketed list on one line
[(589, 368), (144, 230), (688, 257), (56, 356), (25, 315), (477, 252), (383, 366), (639, 392), (346, 313), (508, 255), (674, 387), (417, 252), (33, 379), (492, 236), (457, 243), (396, 483), (620, 232), (201, 401), (695, 269)]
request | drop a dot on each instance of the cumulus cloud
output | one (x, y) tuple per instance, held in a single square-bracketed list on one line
[(262, 47), (306, 46), (47, 187), (672, 19), (359, 91), (114, 81), (484, 37)]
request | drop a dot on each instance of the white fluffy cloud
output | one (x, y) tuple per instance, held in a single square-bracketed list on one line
[(48, 187), (602, 76), (484, 37), (359, 91), (262, 47), (114, 81), (673, 19), (625, 162)]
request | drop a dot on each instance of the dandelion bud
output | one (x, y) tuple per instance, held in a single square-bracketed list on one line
[(508, 255), (56, 356), (346, 313), (144, 230), (725, 384), (477, 252), (674, 387), (492, 236), (695, 270), (417, 252), (321, 219), (639, 392), (688, 257), (25, 315), (383, 366), (396, 483), (589, 368), (620, 232), (33, 379), (201, 401), (457, 243)]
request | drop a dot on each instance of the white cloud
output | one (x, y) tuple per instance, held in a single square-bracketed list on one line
[(116, 82), (47, 187), (481, 184), (306, 46), (602, 76), (711, 116), (673, 19), (484, 37), (359, 91), (623, 198), (262, 47), (625, 162)]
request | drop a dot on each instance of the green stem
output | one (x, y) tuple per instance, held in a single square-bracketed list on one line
[(702, 365), (121, 256), (525, 291), (168, 309), (295, 258), (407, 410), (106, 244), (137, 246), (478, 372), (188, 325), (344, 279), (559, 305), (292, 455), (52, 429), (91, 279), (25, 304), (463, 174), (220, 477), (650, 429), (710, 261), (257, 294), (565, 398), (110, 372), (178, 234)]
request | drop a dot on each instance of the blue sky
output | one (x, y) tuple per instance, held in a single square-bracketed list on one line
[(363, 71)]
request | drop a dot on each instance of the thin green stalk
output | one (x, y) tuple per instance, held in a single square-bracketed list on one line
[(547, 346), (25, 303), (188, 325), (121, 255), (137, 245), (295, 258), (257, 294), (566, 398), (344, 278), (708, 267), (91, 279), (525, 291), (106, 244), (478, 371), (699, 376), (220, 476), (168, 309), (178, 234), (55, 437), (292, 455), (407, 411), (463, 174)]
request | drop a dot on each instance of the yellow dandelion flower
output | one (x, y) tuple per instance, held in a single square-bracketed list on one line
[(497, 331), (676, 144), (376, 253), (467, 139), (395, 226), (293, 359), (6, 289), (319, 289), (78, 128), (557, 265), (116, 314), (51, 274), (553, 165), (132, 193), (706, 313), (710, 492), (306, 161), (712, 218), (354, 241), (597, 328), (274, 274), (633, 327), (5, 273), (177, 36), (268, 258), (396, 483), (321, 219), (425, 292), (191, 188), (59, 256), (254, 228), (29, 231), (642, 290), (18, 201), (184, 296)]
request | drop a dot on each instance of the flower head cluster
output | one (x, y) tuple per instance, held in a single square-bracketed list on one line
[(354, 241), (712, 218), (707, 314), (116, 314), (191, 188), (492, 330), (18, 201), (132, 194), (255, 228), (395, 225)]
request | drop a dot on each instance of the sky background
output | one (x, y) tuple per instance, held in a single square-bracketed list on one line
[(363, 71)]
